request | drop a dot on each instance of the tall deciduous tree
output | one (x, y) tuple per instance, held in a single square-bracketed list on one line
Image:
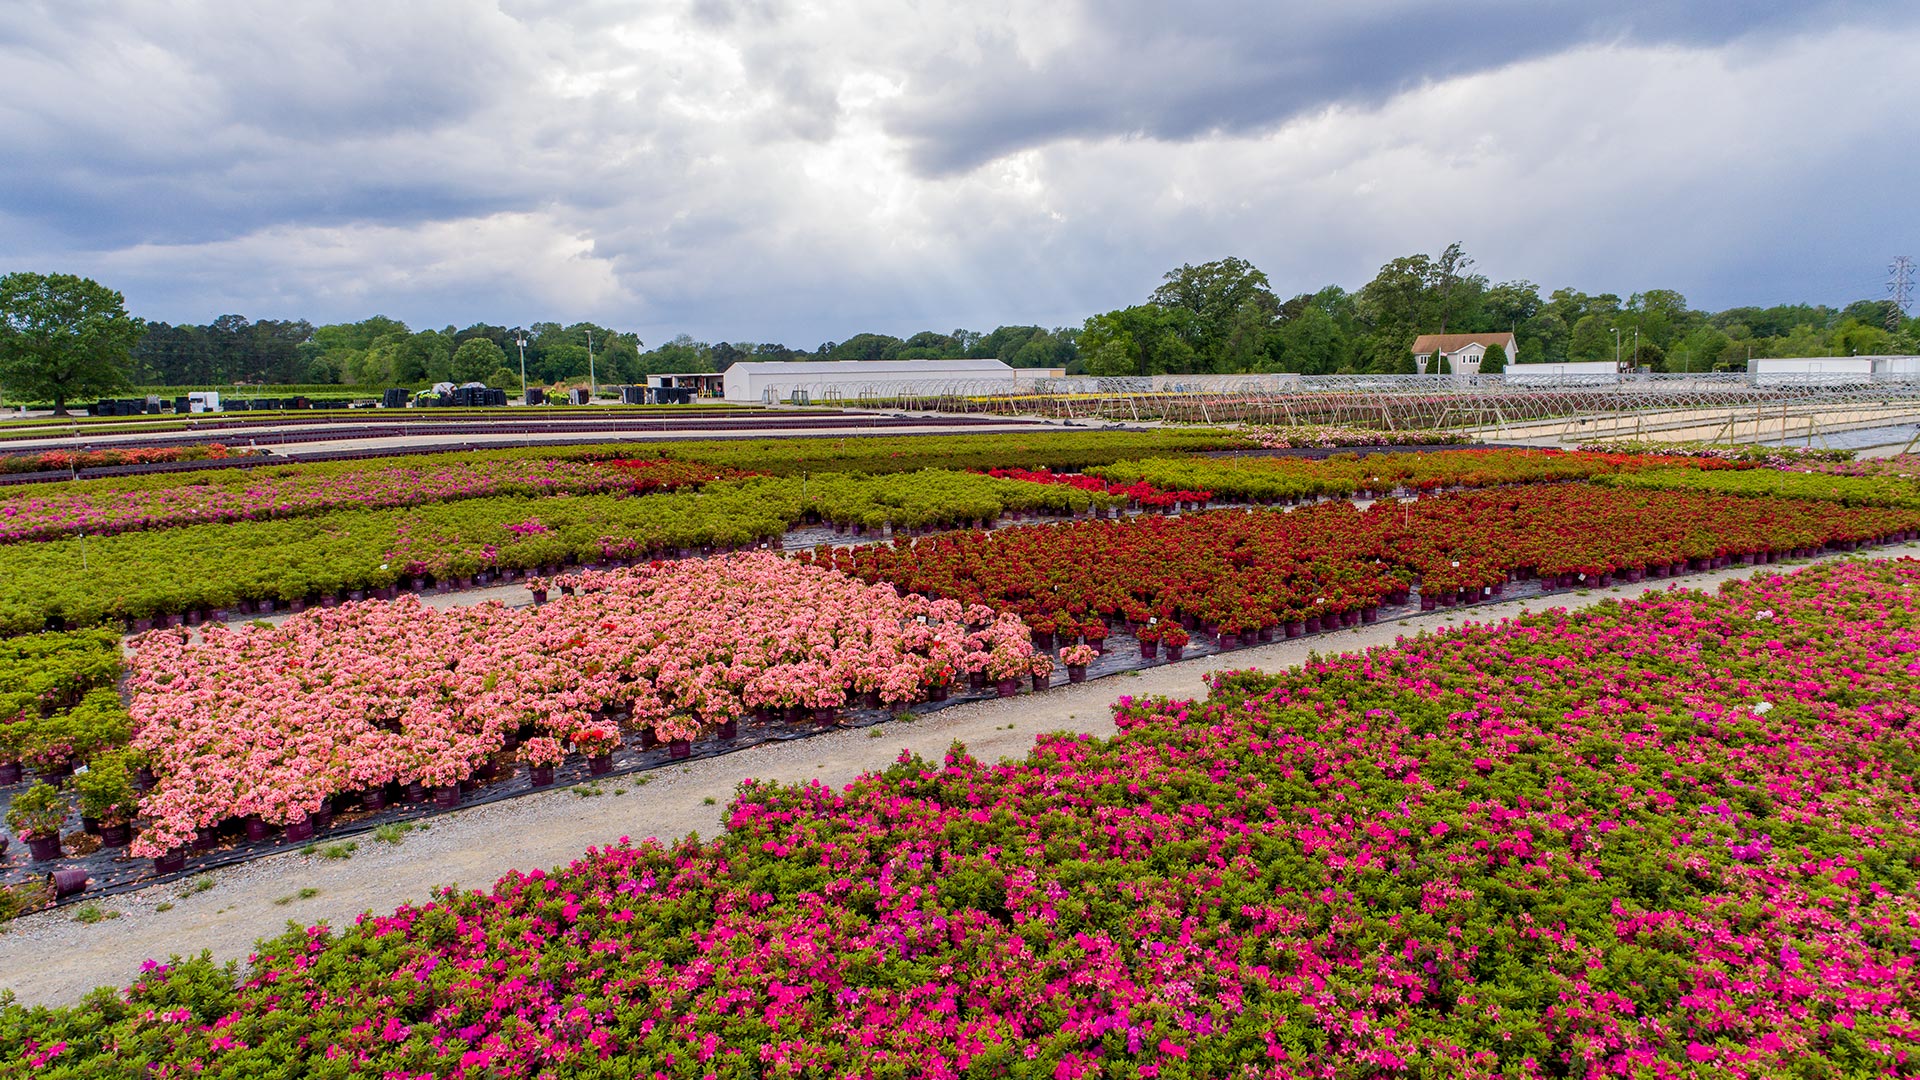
[(1230, 309), (1146, 339), (477, 358), (62, 337)]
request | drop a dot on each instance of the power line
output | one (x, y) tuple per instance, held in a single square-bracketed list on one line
[(1900, 289)]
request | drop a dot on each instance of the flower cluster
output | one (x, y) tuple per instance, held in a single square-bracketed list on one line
[(1240, 572), (1778, 457), (543, 750), (1281, 479), (106, 507), (271, 721), (68, 461), (1137, 494), (1568, 845), (1315, 436)]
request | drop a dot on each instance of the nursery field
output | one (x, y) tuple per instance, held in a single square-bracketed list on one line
[(344, 708), (1668, 836), (135, 550)]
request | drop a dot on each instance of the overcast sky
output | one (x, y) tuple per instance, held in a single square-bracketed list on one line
[(779, 170)]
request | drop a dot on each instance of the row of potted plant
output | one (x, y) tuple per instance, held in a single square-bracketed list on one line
[(57, 704), (1291, 479), (1891, 488), (1674, 836), (1140, 495), (68, 461), (1331, 564), (1330, 436), (106, 791), (268, 723), (874, 455), (292, 491), (1753, 453), (151, 574)]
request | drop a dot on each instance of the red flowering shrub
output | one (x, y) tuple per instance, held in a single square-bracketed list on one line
[(71, 460), (1138, 494), (1242, 571)]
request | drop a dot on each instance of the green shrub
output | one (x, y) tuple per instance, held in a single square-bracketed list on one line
[(38, 812)]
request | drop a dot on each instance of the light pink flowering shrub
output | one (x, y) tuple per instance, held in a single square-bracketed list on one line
[(274, 721)]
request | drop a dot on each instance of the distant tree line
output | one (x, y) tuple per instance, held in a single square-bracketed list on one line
[(380, 351), (1223, 316)]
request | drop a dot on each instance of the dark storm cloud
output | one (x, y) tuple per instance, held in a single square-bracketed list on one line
[(129, 123), (1147, 69), (776, 170)]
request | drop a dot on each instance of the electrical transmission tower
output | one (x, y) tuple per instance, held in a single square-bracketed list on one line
[(1899, 290)]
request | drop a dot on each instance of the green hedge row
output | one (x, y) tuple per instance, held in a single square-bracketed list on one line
[(145, 574), (1895, 491)]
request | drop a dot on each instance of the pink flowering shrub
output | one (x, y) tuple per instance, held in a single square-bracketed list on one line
[(543, 750), (1674, 836), (271, 721), (1325, 437)]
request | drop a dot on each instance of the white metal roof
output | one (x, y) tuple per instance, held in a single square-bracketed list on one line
[(805, 369)]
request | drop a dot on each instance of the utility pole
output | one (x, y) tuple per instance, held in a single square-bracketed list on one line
[(592, 379), (520, 340), (1899, 290)]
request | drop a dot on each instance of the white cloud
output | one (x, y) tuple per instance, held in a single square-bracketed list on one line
[(529, 262), (800, 171)]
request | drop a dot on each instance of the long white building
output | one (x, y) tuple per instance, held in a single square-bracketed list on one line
[(1836, 369), (849, 380)]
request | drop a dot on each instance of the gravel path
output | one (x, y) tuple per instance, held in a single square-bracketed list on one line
[(50, 958)]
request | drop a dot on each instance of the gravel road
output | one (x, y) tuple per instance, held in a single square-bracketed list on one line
[(50, 958)]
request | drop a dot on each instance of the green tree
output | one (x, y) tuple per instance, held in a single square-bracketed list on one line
[(558, 362), (1802, 340), (1542, 339), (1856, 338), (1055, 348), (1495, 361), (1661, 316), (1231, 310), (867, 347), (928, 345), (1699, 350), (426, 356), (682, 354), (1592, 339), (1396, 307), (1145, 339), (1310, 343), (476, 359), (1455, 289), (1508, 305), (63, 336)]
